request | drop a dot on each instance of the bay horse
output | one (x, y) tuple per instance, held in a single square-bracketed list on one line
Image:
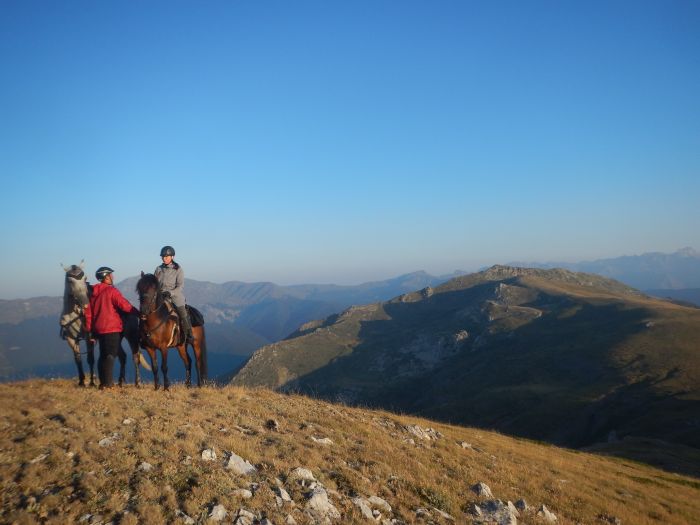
[(160, 330), (76, 297)]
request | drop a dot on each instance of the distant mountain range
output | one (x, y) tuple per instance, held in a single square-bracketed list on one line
[(242, 317), (571, 358), (647, 271)]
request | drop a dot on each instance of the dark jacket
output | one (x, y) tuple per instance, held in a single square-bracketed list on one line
[(102, 316)]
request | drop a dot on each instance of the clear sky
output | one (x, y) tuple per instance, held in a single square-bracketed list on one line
[(343, 141)]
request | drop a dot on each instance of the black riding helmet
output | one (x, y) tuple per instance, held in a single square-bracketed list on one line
[(167, 250), (102, 272)]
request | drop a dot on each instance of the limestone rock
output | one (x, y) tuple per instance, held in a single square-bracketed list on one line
[(243, 493), (322, 441), (364, 507), (482, 490), (301, 474), (443, 514), (494, 511), (319, 508), (546, 515), (208, 454), (289, 520), (379, 503), (218, 513), (239, 465), (187, 520), (145, 467)]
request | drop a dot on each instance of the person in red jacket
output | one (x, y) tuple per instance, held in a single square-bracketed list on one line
[(104, 321)]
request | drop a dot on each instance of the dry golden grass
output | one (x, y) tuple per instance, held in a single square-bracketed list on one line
[(370, 456)]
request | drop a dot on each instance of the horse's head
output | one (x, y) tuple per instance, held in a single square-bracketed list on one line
[(147, 290), (76, 283)]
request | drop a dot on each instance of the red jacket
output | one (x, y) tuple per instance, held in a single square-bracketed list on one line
[(102, 316)]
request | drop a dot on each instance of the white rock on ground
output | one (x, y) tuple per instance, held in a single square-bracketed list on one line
[(239, 465), (244, 517), (546, 515), (322, 441), (289, 520), (218, 513), (128, 421), (363, 505), (444, 514), (243, 493), (494, 511), (145, 467), (184, 517), (283, 494), (482, 490), (379, 503), (301, 474), (209, 454), (319, 508)]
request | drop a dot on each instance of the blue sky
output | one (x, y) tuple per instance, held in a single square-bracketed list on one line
[(343, 141)]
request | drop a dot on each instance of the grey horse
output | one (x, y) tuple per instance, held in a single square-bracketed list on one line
[(76, 297)]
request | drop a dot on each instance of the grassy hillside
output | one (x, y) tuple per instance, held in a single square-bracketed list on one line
[(565, 357), (135, 456)]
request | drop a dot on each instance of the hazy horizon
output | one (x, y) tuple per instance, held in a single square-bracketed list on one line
[(344, 143)]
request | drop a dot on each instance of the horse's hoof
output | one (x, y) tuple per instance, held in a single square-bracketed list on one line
[(81, 384)]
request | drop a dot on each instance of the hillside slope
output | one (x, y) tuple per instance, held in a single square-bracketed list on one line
[(549, 354), (138, 456)]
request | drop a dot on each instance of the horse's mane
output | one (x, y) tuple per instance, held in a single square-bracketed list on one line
[(147, 281)]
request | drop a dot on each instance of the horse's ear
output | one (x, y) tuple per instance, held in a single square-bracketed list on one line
[(142, 274), (65, 268), (82, 264)]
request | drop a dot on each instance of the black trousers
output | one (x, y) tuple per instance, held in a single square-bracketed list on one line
[(109, 350)]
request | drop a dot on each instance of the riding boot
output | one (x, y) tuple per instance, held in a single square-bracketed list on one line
[(81, 373), (185, 324)]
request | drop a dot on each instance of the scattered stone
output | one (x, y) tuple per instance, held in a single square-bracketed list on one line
[(218, 513), (607, 518), (495, 511), (546, 515), (208, 454), (239, 465), (423, 513), (522, 505), (301, 474), (283, 495), (289, 520), (464, 444), (319, 508), (379, 503), (106, 442), (482, 490), (426, 434), (243, 493), (84, 518), (70, 454), (145, 467), (187, 460), (444, 514), (128, 421), (376, 515), (40, 457), (322, 441), (364, 507), (184, 517), (266, 521), (272, 424), (245, 517)]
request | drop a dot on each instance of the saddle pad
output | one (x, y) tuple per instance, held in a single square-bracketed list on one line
[(196, 316)]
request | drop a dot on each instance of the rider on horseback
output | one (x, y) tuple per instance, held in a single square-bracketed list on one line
[(171, 279)]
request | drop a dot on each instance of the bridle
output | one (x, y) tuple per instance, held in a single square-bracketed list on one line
[(152, 309)]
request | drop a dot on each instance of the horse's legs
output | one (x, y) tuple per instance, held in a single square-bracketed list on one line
[(122, 363), (75, 346), (91, 361), (164, 367), (137, 367), (182, 350), (154, 364), (198, 360)]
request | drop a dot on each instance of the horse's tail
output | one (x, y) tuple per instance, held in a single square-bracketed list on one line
[(203, 354), (144, 363)]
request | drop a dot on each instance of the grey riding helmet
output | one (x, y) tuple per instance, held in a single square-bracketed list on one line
[(167, 250), (102, 272)]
